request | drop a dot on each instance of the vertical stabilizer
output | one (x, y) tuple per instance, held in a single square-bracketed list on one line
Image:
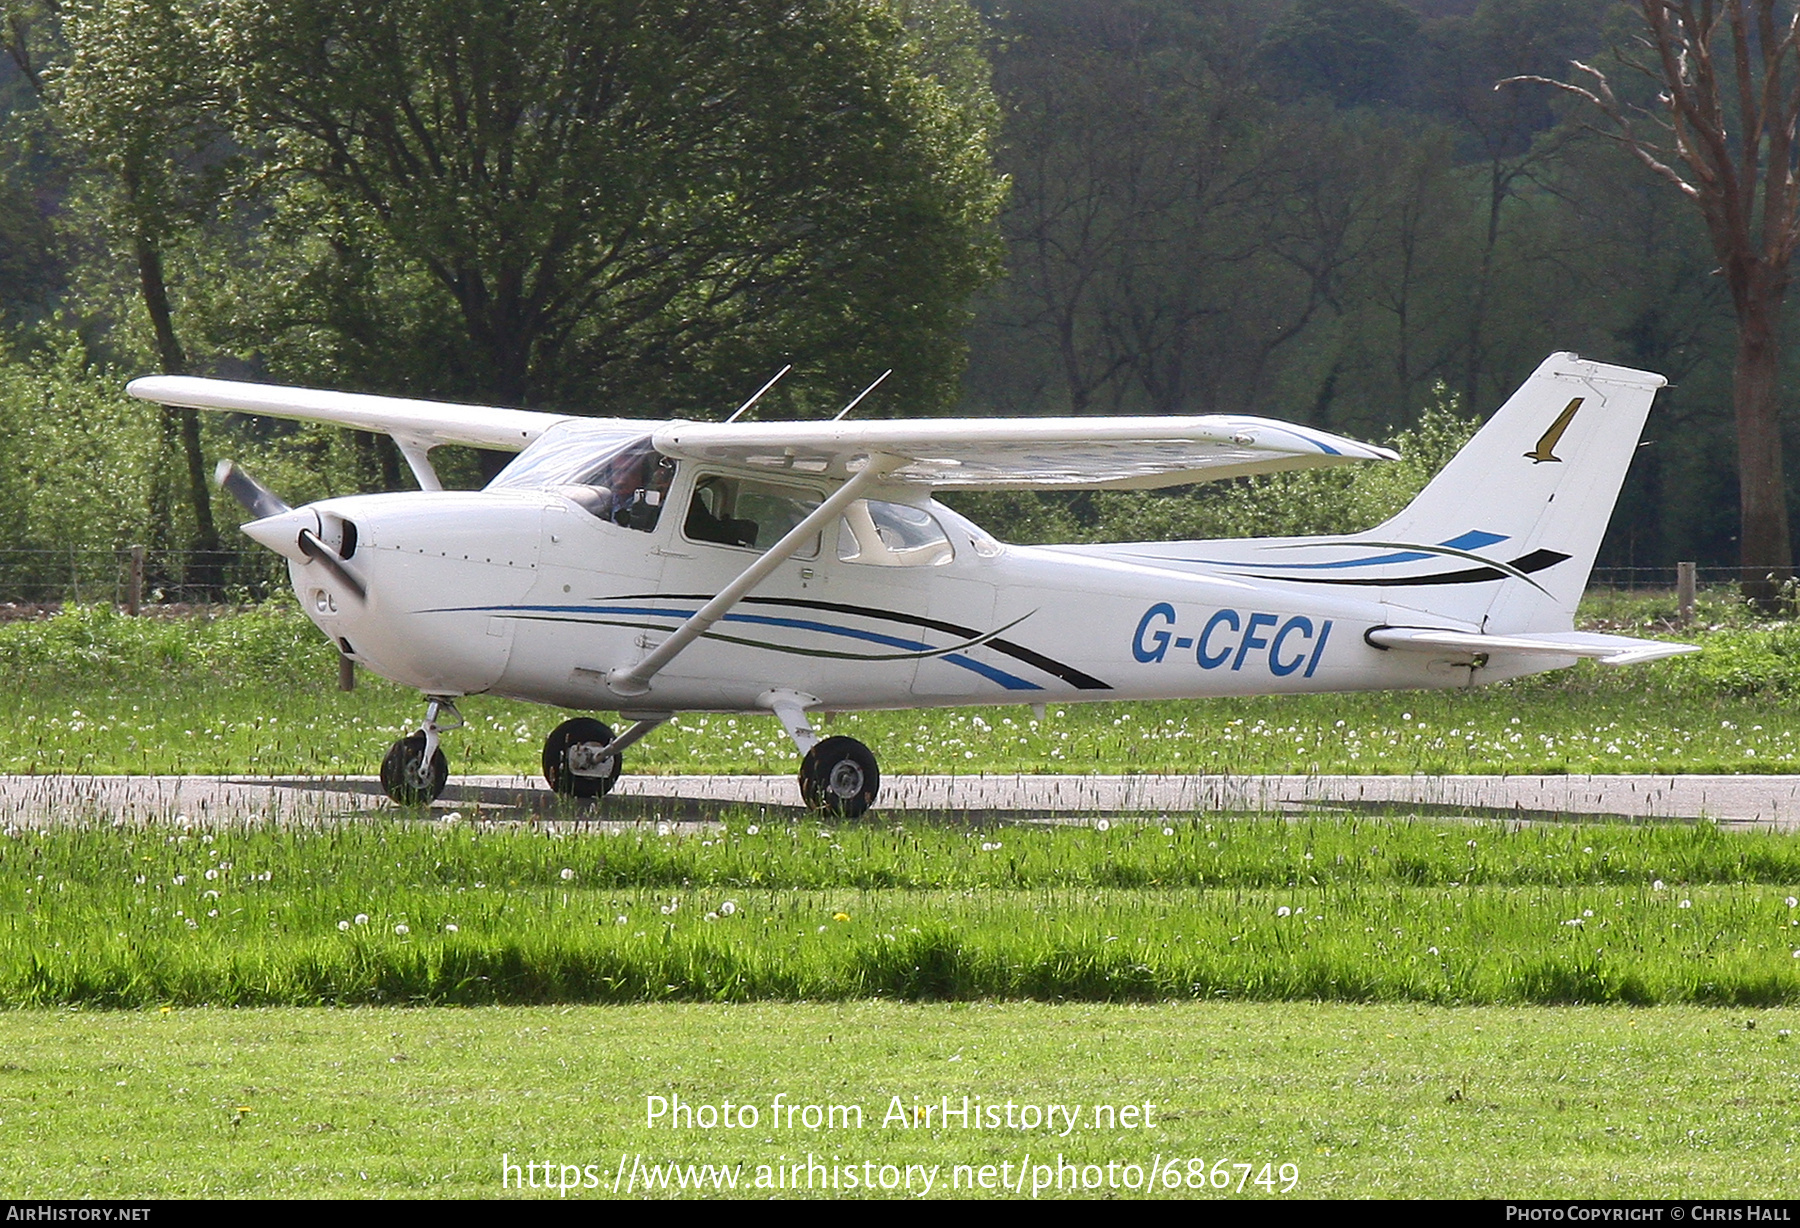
[(1512, 524)]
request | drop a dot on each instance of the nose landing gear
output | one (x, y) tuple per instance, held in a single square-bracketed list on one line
[(415, 770)]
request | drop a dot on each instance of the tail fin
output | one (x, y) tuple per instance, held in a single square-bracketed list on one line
[(1505, 536)]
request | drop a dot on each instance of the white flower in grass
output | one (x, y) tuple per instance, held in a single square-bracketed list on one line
[(450, 928), (712, 916), (567, 874), (1791, 901), (402, 929), (1657, 885), (1168, 831), (362, 918), (752, 830), (1685, 904), (181, 880), (1103, 825), (343, 925), (1284, 911), (728, 908)]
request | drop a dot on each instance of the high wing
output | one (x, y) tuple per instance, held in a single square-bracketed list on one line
[(957, 453), (416, 426), (1022, 453)]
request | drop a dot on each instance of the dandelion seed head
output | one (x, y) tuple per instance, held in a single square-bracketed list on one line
[(567, 874), (1103, 825), (728, 908), (362, 918), (451, 928), (343, 925), (1685, 904), (1283, 911)]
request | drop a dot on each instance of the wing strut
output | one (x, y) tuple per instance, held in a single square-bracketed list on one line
[(636, 679)]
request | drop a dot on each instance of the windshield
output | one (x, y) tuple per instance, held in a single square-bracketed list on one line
[(618, 476)]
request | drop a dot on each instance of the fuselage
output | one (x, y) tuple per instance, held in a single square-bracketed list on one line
[(536, 595)]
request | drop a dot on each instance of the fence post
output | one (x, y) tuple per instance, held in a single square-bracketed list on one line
[(346, 672), (134, 582), (1684, 591)]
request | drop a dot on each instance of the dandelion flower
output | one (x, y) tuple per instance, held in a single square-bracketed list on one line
[(840, 916), (727, 908)]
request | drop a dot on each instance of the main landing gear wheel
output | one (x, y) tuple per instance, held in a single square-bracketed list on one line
[(573, 763), (839, 776), (404, 774)]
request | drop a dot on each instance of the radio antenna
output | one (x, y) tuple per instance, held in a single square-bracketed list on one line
[(865, 392), (753, 400)]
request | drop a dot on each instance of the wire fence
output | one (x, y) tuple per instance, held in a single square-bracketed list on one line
[(1638, 579), (135, 578)]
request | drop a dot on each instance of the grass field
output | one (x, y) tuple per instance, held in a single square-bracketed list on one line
[(1377, 1101), (402, 911), (1391, 1007), (255, 693)]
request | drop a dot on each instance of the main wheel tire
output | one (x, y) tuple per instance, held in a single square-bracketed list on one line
[(403, 774), (839, 777), (571, 764)]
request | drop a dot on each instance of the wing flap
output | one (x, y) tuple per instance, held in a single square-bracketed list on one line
[(1022, 453), (1606, 649), (420, 424)]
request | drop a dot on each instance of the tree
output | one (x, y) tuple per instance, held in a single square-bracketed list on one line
[(643, 201), (1728, 72), (125, 94)]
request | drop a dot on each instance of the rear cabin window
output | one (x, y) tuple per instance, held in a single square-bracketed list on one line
[(892, 535)]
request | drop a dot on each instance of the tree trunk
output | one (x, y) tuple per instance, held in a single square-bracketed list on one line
[(205, 570), (1764, 551)]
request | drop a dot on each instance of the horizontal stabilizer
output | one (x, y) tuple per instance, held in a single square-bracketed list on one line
[(1606, 649)]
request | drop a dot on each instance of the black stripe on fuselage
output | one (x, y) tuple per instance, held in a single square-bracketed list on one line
[(1018, 652), (1537, 560)]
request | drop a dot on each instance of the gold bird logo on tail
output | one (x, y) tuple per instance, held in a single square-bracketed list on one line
[(1546, 447)]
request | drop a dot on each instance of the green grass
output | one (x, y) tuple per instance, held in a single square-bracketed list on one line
[(255, 693), (407, 912), (1364, 1101)]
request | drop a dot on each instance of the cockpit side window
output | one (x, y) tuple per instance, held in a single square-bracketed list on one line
[(733, 511)]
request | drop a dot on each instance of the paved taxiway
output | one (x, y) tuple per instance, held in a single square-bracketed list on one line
[(1736, 801)]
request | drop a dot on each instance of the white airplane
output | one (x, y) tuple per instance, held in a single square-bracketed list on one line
[(795, 568)]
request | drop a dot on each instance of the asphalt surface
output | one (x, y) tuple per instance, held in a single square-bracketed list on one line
[(1732, 801)]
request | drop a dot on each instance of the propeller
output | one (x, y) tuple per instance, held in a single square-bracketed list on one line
[(257, 499), (263, 503)]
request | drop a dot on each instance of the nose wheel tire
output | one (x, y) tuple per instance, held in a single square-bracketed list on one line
[(406, 777), (839, 777), (572, 761)]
